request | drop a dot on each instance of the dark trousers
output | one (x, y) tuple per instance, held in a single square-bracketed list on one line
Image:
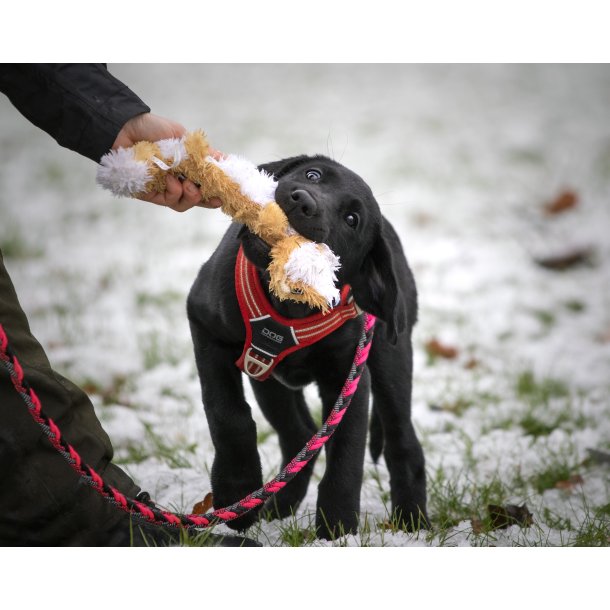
[(43, 501)]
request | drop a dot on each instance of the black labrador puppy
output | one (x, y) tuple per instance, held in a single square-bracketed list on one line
[(327, 203)]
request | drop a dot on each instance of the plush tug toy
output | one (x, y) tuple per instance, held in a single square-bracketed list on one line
[(300, 270)]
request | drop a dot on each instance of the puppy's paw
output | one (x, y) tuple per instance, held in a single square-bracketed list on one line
[(241, 523), (330, 526), (286, 502), (410, 518), (228, 490)]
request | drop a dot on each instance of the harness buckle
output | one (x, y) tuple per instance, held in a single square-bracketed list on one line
[(256, 366)]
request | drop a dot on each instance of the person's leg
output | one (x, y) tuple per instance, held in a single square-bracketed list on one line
[(42, 500)]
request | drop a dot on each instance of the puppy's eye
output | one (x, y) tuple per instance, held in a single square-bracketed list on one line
[(352, 219), (313, 175)]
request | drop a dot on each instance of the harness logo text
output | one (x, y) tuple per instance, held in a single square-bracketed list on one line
[(273, 336)]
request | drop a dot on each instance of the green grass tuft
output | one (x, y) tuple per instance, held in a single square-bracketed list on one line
[(575, 305), (595, 529), (14, 245), (156, 351), (535, 391), (163, 299), (175, 456), (295, 533), (533, 426), (546, 318), (554, 472)]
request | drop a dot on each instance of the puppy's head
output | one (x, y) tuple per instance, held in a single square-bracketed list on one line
[(328, 203)]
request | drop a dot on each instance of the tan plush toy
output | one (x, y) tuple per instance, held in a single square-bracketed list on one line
[(300, 270)]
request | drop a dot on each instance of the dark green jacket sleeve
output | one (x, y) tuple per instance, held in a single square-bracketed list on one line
[(82, 106)]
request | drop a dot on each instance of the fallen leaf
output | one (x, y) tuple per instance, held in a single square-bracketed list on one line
[(569, 484), (566, 200), (572, 258), (437, 349), (477, 525), (457, 407), (204, 506), (504, 516), (472, 363), (387, 525)]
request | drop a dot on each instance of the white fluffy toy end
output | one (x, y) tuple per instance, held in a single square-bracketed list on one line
[(121, 173), (315, 265)]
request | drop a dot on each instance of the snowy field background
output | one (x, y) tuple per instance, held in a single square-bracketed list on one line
[(463, 160)]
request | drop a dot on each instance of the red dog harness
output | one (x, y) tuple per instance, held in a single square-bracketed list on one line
[(271, 337)]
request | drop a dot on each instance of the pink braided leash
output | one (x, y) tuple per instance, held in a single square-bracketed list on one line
[(154, 515)]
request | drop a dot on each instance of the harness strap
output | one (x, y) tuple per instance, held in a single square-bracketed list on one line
[(271, 337)]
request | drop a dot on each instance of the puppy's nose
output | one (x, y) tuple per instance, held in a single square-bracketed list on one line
[(304, 201)]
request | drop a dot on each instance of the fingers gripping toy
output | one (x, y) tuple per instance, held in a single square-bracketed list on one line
[(300, 270)]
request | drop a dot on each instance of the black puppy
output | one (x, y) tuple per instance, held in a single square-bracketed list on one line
[(327, 203)]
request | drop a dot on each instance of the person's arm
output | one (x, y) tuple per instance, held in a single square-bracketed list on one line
[(89, 111), (82, 106)]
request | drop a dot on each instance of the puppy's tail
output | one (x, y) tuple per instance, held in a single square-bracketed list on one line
[(375, 436)]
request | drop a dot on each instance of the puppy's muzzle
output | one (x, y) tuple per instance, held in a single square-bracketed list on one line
[(305, 213), (303, 203)]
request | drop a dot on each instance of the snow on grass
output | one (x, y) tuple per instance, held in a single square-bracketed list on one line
[(462, 160)]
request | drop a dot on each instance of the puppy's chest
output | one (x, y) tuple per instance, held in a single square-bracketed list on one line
[(294, 377), (319, 363)]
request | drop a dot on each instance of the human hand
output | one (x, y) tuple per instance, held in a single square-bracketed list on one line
[(179, 196)]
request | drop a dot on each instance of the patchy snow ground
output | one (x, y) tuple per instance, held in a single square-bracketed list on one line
[(462, 160)]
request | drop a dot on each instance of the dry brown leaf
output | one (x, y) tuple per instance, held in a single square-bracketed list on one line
[(204, 506), (456, 407), (569, 484), (572, 258), (477, 525), (565, 201), (436, 349), (472, 363), (390, 526), (386, 525)]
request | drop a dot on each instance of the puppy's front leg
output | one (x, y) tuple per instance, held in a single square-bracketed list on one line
[(286, 410), (236, 470), (339, 491), (391, 369)]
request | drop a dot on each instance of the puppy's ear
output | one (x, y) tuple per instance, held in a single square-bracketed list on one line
[(283, 166), (376, 288)]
